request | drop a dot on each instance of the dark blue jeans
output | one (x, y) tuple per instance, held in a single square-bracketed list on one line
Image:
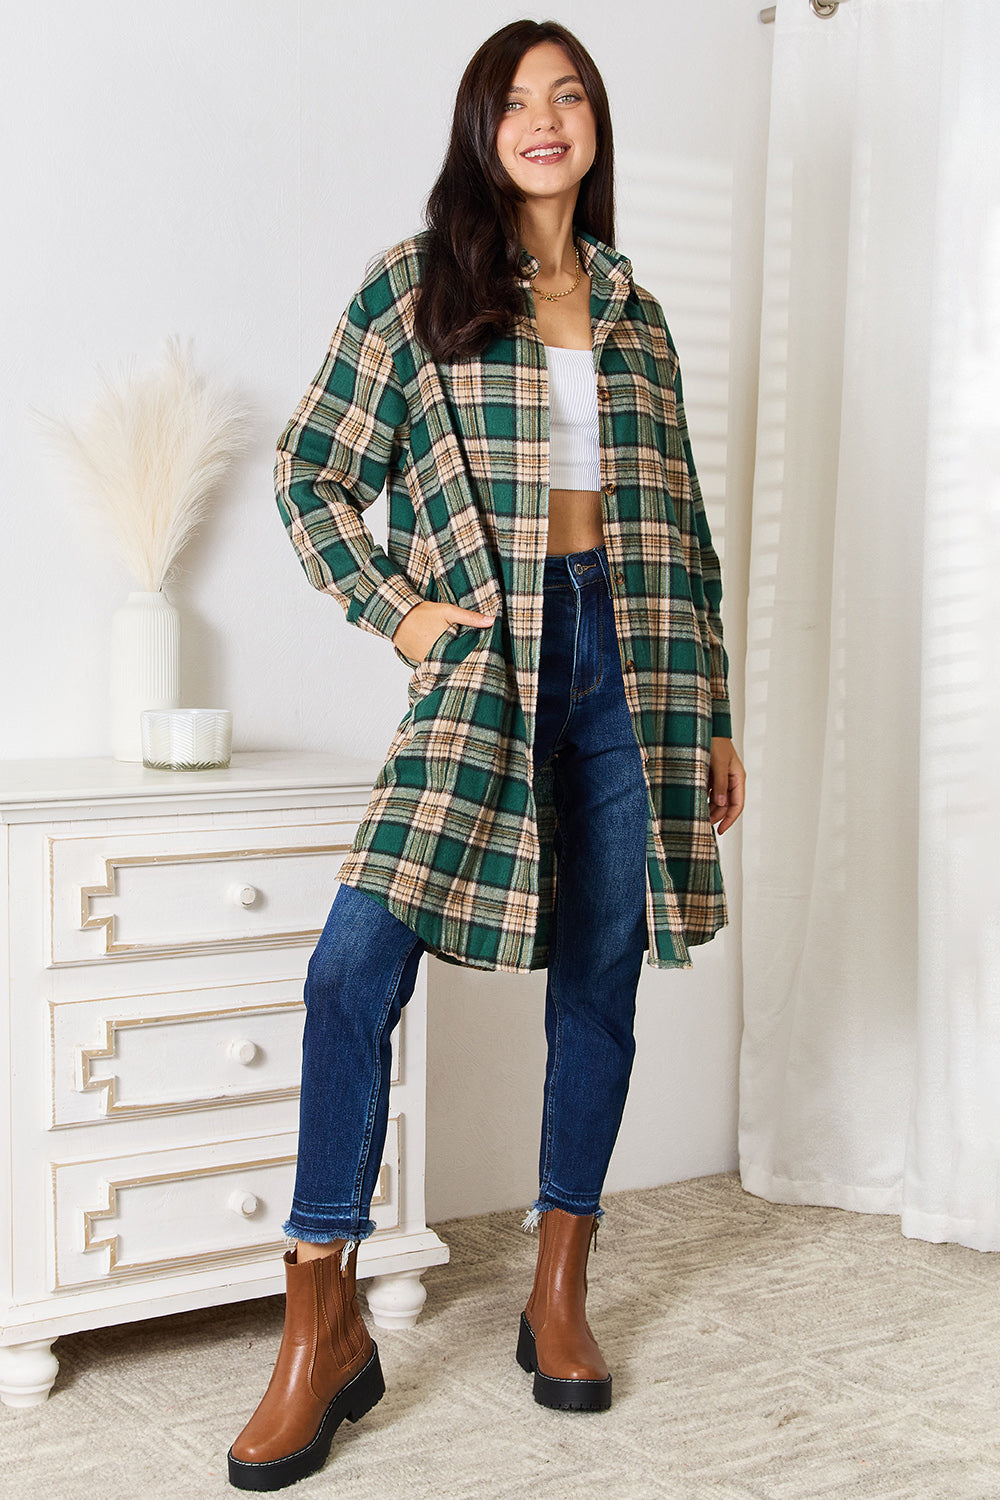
[(364, 967)]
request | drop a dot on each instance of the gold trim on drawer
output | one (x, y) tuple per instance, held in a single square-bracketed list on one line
[(87, 1219), (114, 863), (84, 1032), (113, 1107), (118, 1267)]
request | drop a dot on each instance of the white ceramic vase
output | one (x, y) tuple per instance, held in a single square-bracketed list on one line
[(145, 667)]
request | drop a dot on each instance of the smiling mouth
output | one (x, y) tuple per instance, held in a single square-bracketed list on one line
[(545, 153)]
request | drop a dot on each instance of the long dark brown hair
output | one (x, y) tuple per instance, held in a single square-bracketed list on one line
[(469, 290)]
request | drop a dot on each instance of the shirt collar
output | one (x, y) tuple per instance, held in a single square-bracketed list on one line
[(600, 262)]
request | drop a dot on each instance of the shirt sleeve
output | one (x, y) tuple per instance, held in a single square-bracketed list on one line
[(709, 614), (350, 427)]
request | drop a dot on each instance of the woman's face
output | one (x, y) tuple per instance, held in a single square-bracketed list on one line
[(547, 138)]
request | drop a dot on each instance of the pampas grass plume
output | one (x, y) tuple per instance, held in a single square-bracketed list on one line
[(150, 455)]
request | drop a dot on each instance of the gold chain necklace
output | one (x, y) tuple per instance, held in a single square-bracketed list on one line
[(554, 296)]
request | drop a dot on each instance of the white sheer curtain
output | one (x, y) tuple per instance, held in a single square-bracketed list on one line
[(870, 1070)]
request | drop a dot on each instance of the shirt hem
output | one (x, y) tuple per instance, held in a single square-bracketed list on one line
[(540, 956)]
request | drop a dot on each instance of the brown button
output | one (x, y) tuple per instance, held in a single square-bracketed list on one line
[(619, 578), (610, 487), (630, 666), (602, 393)]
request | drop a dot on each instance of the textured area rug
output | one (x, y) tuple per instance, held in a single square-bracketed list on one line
[(760, 1352)]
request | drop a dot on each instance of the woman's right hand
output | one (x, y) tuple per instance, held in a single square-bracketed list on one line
[(420, 626)]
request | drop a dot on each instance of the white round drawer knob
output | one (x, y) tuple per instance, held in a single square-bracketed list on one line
[(244, 1204), (243, 1052), (244, 895)]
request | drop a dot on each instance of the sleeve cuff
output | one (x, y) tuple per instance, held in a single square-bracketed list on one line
[(381, 598), (722, 723)]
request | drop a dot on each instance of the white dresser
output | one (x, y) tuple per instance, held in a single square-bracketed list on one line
[(157, 930)]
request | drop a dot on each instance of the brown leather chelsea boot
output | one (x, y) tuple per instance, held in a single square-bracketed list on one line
[(555, 1342), (327, 1369)]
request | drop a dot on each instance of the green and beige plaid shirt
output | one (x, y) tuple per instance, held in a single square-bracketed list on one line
[(457, 839)]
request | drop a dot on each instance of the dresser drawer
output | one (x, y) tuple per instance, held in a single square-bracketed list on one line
[(130, 1056), (125, 896), (186, 1209)]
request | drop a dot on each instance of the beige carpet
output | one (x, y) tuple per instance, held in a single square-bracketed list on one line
[(759, 1353)]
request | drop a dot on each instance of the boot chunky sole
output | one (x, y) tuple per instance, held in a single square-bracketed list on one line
[(561, 1395), (357, 1397)]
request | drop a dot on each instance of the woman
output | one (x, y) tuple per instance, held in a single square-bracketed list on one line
[(550, 577)]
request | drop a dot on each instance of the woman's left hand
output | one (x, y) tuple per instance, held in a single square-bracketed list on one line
[(726, 784)]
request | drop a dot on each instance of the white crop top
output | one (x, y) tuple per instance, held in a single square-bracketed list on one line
[(574, 447)]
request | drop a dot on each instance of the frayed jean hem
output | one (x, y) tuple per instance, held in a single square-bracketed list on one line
[(533, 1217), (325, 1236)]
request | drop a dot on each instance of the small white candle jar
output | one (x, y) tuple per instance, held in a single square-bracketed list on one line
[(186, 739)]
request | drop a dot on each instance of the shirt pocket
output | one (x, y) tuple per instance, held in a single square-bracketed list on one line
[(453, 646), (415, 663), (438, 646)]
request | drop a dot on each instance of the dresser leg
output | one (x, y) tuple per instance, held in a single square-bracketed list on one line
[(27, 1372), (395, 1301)]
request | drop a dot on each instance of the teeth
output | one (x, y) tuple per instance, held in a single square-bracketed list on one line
[(547, 151)]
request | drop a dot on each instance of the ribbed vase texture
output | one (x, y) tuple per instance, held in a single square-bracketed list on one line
[(145, 667)]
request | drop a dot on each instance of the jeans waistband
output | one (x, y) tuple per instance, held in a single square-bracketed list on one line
[(575, 570)]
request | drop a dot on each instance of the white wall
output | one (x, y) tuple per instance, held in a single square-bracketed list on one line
[(224, 171)]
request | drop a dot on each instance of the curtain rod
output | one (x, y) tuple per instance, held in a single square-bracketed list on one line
[(822, 8)]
